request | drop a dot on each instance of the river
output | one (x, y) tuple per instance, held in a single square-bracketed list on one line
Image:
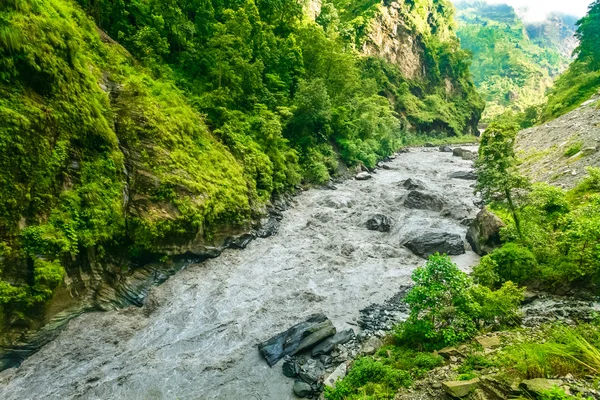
[(197, 335)]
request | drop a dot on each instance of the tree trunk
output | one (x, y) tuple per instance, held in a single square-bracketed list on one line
[(513, 210)]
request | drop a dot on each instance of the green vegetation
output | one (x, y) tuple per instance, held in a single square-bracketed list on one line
[(446, 308), (573, 149), (551, 235), (512, 69), (497, 174), (582, 79), (208, 110)]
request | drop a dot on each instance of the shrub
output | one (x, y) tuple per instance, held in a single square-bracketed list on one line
[(441, 306), (499, 307), (486, 273), (369, 377), (514, 263)]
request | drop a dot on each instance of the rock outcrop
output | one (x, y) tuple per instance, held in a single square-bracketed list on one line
[(419, 200), (484, 232), (299, 337), (436, 242)]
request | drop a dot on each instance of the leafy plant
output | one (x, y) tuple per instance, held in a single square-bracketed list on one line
[(573, 149)]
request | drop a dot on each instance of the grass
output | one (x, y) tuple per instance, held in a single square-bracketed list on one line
[(573, 149)]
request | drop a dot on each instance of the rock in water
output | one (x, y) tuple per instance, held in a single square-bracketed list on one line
[(436, 242), (466, 175), (363, 176), (429, 144), (379, 223), (446, 149), (484, 232), (290, 367), (412, 184), (418, 200), (299, 337), (458, 152), (328, 344), (302, 389)]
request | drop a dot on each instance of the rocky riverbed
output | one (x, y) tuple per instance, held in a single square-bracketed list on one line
[(197, 334)]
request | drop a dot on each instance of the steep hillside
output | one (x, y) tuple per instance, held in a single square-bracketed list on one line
[(513, 63), (163, 130), (557, 152)]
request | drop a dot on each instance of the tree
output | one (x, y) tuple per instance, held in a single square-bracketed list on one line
[(588, 33), (497, 175)]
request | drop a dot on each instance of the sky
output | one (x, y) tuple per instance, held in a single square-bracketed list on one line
[(537, 10)]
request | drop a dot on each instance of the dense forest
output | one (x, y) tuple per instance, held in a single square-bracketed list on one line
[(514, 63), (142, 129)]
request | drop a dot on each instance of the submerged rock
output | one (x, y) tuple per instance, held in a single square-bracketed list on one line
[(418, 200), (466, 175), (484, 232), (412, 184), (436, 242), (290, 367), (446, 149), (363, 176), (379, 222), (299, 337)]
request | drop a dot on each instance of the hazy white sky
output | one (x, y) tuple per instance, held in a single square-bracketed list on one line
[(538, 9)]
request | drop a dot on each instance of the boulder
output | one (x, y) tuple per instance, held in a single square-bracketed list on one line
[(371, 346), (419, 200), (302, 389), (412, 184), (488, 342), (363, 176), (459, 389), (290, 367), (299, 337), (468, 155), (538, 385), (448, 352), (457, 152), (379, 223), (327, 345), (484, 232), (311, 371), (446, 149), (336, 375), (466, 175), (436, 242), (385, 166)]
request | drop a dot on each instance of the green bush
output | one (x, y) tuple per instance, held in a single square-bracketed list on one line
[(500, 307), (514, 263), (441, 306), (367, 378)]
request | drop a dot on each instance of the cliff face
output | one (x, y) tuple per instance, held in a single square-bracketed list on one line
[(418, 40)]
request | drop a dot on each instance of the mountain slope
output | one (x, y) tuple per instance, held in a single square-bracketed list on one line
[(514, 63)]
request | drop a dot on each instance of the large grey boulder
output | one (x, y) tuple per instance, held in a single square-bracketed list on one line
[(446, 149), (538, 385), (412, 184), (419, 200), (379, 222), (302, 389), (484, 232), (327, 345), (466, 175), (436, 242), (299, 337)]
